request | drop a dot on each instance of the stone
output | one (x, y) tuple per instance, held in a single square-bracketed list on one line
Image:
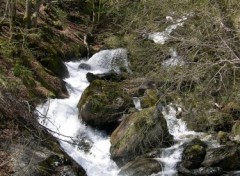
[(223, 137), (84, 66), (226, 157), (202, 171), (193, 154), (105, 76), (138, 133), (103, 103), (141, 166)]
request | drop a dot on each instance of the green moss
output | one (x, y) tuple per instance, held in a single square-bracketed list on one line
[(197, 148), (150, 98), (102, 95)]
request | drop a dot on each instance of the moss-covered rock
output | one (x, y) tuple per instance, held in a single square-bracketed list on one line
[(44, 76), (223, 137), (193, 154), (103, 103), (138, 133)]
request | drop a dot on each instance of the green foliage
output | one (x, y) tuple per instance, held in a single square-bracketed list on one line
[(24, 73)]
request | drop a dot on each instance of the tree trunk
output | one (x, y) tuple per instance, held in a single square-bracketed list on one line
[(36, 12), (12, 18), (27, 14)]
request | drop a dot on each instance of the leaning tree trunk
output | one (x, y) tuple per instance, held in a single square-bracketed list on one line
[(12, 18), (27, 14), (36, 12)]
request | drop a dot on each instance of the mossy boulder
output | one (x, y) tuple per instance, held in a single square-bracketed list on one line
[(141, 166), (193, 154), (103, 103), (223, 137), (225, 157), (138, 134)]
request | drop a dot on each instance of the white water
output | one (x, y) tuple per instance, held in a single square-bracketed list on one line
[(172, 155), (137, 103), (89, 147), (162, 37), (174, 60), (61, 116)]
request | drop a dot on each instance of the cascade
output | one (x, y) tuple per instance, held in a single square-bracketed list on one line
[(90, 147)]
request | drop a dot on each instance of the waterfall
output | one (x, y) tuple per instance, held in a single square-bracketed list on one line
[(137, 103), (172, 155), (89, 147), (115, 59)]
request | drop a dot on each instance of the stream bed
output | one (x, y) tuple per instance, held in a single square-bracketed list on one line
[(90, 147)]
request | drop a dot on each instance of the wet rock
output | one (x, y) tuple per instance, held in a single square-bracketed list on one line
[(193, 154), (226, 157), (56, 65), (38, 160), (114, 59), (84, 66), (141, 166), (233, 173), (103, 103), (202, 171), (223, 137), (105, 76), (55, 164), (138, 133)]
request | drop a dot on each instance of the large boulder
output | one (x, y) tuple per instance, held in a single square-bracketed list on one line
[(103, 103), (193, 154), (226, 157), (138, 133), (141, 166)]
